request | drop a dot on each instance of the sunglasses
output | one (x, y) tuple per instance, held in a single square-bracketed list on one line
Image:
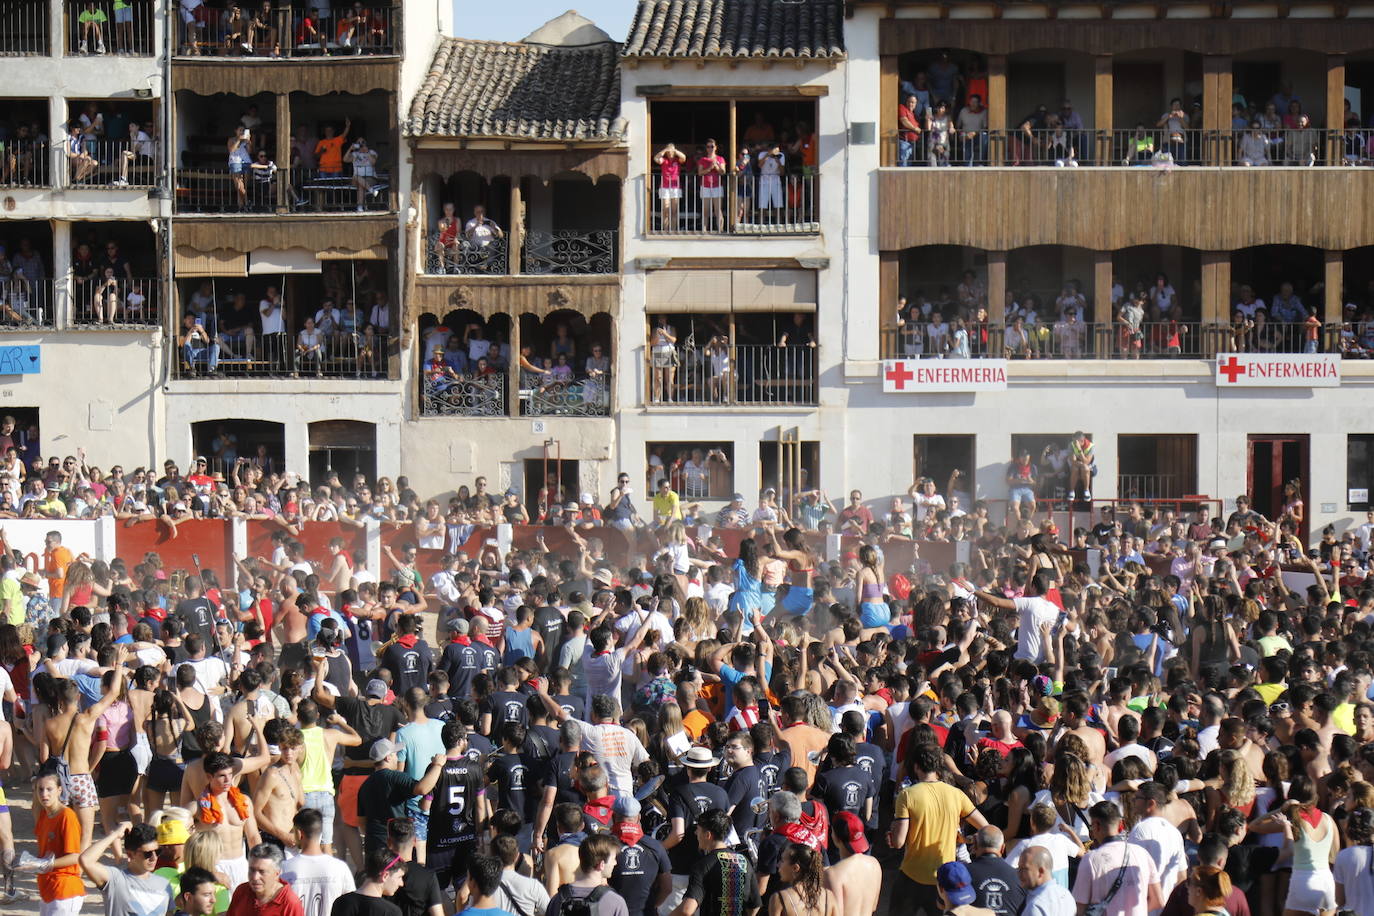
[(146, 853)]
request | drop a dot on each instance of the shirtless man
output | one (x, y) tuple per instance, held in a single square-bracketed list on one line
[(340, 569), (251, 705), (560, 862), (289, 629), (211, 737), (73, 738), (1074, 721), (279, 794), (855, 878), (221, 807)]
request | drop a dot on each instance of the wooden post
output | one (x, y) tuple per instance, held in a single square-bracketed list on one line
[(513, 373), (888, 82), (1216, 107), (889, 288), (734, 362), (515, 239), (1333, 283), (1102, 108), (1216, 295), (997, 287), (283, 154), (1102, 291), (1335, 106), (997, 109)]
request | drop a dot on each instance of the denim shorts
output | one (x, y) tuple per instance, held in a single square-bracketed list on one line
[(323, 802), (1021, 495)]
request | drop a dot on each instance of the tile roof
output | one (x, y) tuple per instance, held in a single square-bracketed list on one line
[(514, 90), (737, 28)]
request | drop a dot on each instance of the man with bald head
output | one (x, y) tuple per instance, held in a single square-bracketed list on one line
[(1000, 738), (994, 881), (1044, 895)]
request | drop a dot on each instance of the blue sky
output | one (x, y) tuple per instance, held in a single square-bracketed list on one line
[(514, 19)]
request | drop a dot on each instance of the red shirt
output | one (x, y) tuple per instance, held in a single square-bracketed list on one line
[(283, 903), (710, 179)]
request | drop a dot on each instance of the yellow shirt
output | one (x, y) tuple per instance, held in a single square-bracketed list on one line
[(11, 595), (1343, 716), (933, 811), (666, 506), (1270, 692)]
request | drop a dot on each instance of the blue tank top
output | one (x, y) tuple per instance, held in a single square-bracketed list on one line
[(519, 644)]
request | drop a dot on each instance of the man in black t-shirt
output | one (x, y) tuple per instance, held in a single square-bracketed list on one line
[(720, 874), (686, 805), (643, 874), (515, 777), (460, 804), (994, 881), (460, 661), (408, 658), (384, 794), (548, 623), (505, 705), (419, 891), (744, 787), (196, 612)]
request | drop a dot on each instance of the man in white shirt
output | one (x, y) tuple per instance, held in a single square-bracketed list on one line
[(1034, 611), (615, 747), (1365, 533), (1159, 838), (1112, 856), (318, 879), (603, 663), (1127, 731)]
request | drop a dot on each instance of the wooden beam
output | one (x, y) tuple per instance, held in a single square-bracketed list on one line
[(1335, 106), (1102, 106), (997, 287), (516, 236), (1102, 289), (1216, 287), (689, 93), (889, 287), (997, 106), (283, 151), (1333, 283), (888, 82)]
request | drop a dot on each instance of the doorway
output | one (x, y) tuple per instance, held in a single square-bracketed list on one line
[(347, 447), (939, 456), (223, 442), (560, 475), (1273, 461)]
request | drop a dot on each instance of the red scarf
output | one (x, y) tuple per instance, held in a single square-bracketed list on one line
[(599, 809), (210, 811), (627, 832), (460, 640), (409, 640)]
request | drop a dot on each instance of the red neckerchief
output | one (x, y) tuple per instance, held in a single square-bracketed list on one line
[(483, 641), (460, 640), (599, 809), (409, 640), (627, 832)]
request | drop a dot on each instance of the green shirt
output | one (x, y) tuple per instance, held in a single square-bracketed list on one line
[(11, 596)]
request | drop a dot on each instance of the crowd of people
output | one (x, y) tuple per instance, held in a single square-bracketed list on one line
[(1152, 714), (268, 29)]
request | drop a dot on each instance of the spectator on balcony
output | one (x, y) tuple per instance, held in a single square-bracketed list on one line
[(1016, 340), (803, 149), (193, 19), (140, 153), (919, 87), (1027, 138), (1248, 304), (329, 150), (264, 172), (262, 32), (960, 344), (662, 360), (240, 150), (481, 231), (1060, 147), (1071, 298), (364, 162), (1069, 334), (1175, 125), (439, 375), (124, 26), (1140, 146), (972, 125), (107, 296), (1286, 307), (710, 168), (237, 327), (937, 335), (446, 240), (309, 347), (945, 78), (329, 320), (234, 30), (1131, 336), (746, 180), (1241, 331), (908, 130), (80, 163), (273, 327), (1302, 143), (84, 274), (91, 24), (562, 343), (772, 164), (669, 161), (1162, 295), (310, 35), (197, 346), (938, 128), (371, 354)]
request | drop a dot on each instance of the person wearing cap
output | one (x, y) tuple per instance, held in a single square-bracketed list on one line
[(854, 876), (685, 804), (733, 515), (385, 793), (957, 896), (643, 872)]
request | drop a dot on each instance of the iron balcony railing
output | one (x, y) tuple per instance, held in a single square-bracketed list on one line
[(119, 27), (1147, 486), (549, 396), (265, 188), (336, 355), (24, 164), (272, 30), (463, 395), (571, 253), (24, 28), (735, 204), (93, 163), (748, 374), (26, 303), (462, 257), (99, 301)]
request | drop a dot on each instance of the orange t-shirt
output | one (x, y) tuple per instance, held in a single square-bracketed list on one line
[(695, 722), (329, 154), (804, 740), (58, 835), (56, 561)]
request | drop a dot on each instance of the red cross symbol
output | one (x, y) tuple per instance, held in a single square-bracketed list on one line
[(899, 375), (1231, 369)]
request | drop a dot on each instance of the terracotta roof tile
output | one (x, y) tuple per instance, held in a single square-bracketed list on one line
[(737, 28)]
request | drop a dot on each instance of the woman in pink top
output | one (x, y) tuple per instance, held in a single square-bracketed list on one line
[(669, 161), (118, 771), (711, 169)]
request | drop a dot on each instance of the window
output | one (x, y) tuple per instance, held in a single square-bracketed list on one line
[(697, 470), (940, 457), (1359, 471), (1156, 467), (1050, 454)]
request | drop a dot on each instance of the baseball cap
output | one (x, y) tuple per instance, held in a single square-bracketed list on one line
[(376, 689), (957, 883), (458, 625), (851, 830), (738, 498), (626, 806), (383, 748)]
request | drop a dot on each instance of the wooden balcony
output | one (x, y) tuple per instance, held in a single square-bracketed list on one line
[(488, 295)]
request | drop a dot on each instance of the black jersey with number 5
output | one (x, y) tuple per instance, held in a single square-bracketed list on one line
[(452, 816)]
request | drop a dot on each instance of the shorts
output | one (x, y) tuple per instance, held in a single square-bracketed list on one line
[(324, 174), (117, 774), (81, 791), (4, 802), (323, 802), (235, 869), (71, 906), (419, 818), (712, 193), (442, 862), (1021, 495), (126, 14), (874, 614), (142, 752), (271, 839), (165, 775), (1311, 891), (237, 168), (348, 799), (663, 359), (670, 193), (798, 600)]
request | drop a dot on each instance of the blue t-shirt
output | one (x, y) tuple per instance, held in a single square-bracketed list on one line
[(485, 911), (419, 742)]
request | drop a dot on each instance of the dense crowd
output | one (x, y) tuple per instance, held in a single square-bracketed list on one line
[(1152, 715)]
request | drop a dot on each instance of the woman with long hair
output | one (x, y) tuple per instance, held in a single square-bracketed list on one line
[(1070, 792), (873, 610), (748, 596), (164, 729), (1236, 788), (205, 849), (804, 893), (1354, 869), (79, 590), (1021, 782), (1208, 888), (1310, 837), (801, 565), (698, 623)]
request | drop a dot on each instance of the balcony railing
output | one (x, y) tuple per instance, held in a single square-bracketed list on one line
[(24, 28), (1151, 340), (1146, 486), (112, 164), (341, 355), (1150, 147), (24, 164), (571, 253), (584, 397), (465, 396), (745, 374), (464, 258), (292, 33), (740, 204), (26, 303), (112, 302), (111, 28), (257, 190)]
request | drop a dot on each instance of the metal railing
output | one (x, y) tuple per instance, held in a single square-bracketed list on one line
[(112, 164), (120, 27), (293, 33), (741, 374), (738, 204), (1263, 336), (1301, 147), (105, 302), (1146, 486), (280, 355), (24, 28), (27, 303), (584, 397), (24, 164), (311, 191), (571, 252), (259, 189), (464, 396), (461, 257)]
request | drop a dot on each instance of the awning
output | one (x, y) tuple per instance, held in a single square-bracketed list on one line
[(770, 290), (291, 261), (218, 263)]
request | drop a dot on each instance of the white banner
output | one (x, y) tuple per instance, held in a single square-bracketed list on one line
[(1278, 370), (923, 376)]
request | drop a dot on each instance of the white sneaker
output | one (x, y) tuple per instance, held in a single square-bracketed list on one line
[(1087, 496), (122, 182), (100, 47), (360, 208), (82, 48)]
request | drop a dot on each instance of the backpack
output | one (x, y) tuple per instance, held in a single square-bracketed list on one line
[(581, 906)]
